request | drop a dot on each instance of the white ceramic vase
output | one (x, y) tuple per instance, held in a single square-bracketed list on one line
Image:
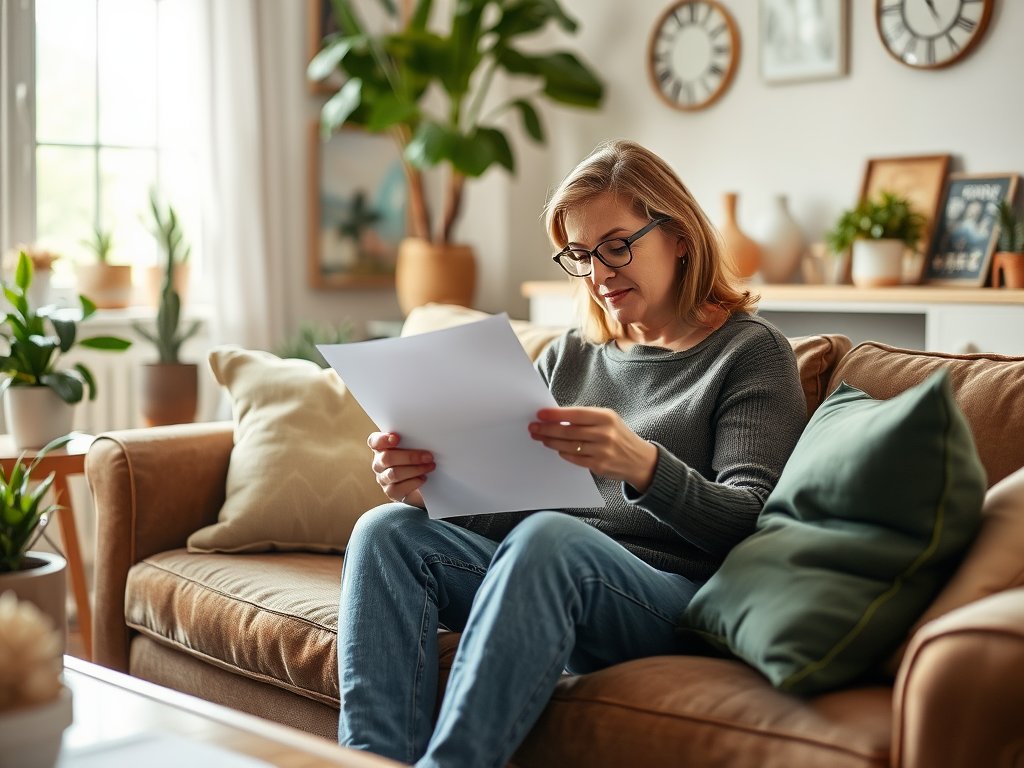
[(877, 262), (31, 736), (35, 416), (781, 241), (42, 581)]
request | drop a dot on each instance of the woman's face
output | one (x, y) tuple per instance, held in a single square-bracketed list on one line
[(643, 293)]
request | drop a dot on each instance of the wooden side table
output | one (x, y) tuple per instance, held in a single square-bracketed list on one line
[(69, 460)]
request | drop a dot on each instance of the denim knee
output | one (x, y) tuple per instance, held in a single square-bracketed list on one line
[(547, 538), (385, 526)]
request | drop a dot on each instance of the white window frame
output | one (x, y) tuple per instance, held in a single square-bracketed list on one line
[(17, 123)]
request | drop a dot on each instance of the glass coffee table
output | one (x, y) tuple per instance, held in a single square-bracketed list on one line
[(114, 709)]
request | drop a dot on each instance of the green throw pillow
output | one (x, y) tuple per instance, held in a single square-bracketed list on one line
[(870, 517)]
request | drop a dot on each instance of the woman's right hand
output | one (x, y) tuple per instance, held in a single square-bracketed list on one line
[(399, 472)]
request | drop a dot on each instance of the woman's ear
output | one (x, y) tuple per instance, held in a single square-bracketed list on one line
[(681, 250)]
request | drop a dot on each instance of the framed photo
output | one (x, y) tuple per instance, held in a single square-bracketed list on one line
[(967, 230), (320, 22), (802, 39), (357, 209)]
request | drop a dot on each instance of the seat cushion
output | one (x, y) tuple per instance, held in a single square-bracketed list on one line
[(270, 617), (988, 388)]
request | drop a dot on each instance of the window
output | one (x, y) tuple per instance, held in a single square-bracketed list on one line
[(115, 116)]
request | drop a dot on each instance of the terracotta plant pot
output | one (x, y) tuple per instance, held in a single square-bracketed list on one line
[(1010, 268), (42, 581), (877, 262), (155, 283), (108, 286), (746, 253), (168, 393), (35, 416), (425, 273)]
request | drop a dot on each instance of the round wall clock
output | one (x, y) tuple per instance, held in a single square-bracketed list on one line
[(693, 53), (929, 34)]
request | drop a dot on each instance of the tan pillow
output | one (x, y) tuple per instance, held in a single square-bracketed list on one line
[(994, 563), (434, 317), (299, 474)]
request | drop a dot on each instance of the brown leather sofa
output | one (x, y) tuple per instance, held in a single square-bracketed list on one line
[(258, 632)]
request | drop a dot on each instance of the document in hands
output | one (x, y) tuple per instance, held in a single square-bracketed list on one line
[(466, 394)]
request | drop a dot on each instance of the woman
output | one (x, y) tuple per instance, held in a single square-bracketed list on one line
[(685, 408)]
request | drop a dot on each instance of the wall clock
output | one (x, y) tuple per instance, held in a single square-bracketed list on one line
[(692, 55), (929, 34)]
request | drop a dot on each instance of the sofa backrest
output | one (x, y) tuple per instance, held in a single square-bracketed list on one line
[(988, 388)]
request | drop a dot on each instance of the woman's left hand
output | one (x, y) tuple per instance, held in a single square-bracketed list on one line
[(598, 439)]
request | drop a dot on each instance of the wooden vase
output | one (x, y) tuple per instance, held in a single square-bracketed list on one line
[(168, 393), (427, 272), (1009, 267), (745, 253)]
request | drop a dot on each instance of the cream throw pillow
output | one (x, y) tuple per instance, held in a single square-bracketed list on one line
[(299, 475)]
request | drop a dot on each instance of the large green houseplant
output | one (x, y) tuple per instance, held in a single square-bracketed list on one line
[(879, 230), (388, 88), (39, 395), (169, 388)]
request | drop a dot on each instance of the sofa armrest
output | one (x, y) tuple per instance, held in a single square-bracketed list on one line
[(960, 690), (151, 489)]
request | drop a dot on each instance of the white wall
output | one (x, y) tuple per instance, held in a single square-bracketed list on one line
[(807, 140)]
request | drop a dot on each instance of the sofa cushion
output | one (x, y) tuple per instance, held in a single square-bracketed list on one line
[(988, 388), (270, 617), (299, 475), (816, 358), (869, 518)]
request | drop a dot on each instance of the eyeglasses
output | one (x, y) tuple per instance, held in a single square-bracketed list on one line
[(614, 254)]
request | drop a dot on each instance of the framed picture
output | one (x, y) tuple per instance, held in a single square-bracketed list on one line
[(967, 230), (802, 39), (320, 22), (357, 209)]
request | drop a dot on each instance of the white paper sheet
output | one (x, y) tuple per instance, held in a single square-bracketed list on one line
[(466, 394), (155, 750)]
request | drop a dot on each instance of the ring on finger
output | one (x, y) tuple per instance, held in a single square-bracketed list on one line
[(579, 447)]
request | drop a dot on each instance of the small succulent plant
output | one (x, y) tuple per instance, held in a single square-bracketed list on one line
[(30, 647), (886, 216)]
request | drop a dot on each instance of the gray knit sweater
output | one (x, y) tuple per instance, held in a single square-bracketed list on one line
[(725, 415)]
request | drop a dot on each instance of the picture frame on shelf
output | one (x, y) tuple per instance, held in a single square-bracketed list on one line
[(967, 229), (802, 41), (358, 199), (919, 178), (321, 22)]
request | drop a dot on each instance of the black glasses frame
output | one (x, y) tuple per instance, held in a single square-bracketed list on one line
[(557, 258)]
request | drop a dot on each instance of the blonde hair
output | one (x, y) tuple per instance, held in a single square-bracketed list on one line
[(653, 189)]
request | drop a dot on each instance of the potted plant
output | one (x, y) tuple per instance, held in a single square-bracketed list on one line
[(388, 78), (1009, 259), (108, 286), (879, 229), (156, 273), (35, 707), (38, 397), (169, 388)]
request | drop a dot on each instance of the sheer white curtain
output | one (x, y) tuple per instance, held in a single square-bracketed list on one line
[(240, 109)]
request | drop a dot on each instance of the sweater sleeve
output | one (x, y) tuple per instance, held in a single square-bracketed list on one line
[(759, 415)]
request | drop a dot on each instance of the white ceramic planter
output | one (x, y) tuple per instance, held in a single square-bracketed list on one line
[(42, 581), (877, 262), (31, 737), (35, 416)]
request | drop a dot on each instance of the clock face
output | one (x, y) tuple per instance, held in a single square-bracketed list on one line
[(928, 34), (692, 55)]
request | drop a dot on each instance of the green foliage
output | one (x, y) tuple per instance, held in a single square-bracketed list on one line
[(101, 243), (388, 74), (1011, 229), (887, 216), (32, 358), (168, 337), (22, 519), (302, 346)]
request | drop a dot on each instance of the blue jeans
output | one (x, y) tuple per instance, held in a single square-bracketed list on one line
[(556, 594)]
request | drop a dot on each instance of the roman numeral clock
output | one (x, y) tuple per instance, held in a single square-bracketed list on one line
[(692, 54), (929, 34)]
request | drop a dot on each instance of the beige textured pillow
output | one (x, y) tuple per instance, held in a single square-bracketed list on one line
[(299, 475), (434, 317)]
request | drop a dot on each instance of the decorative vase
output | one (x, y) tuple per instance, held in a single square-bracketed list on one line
[(168, 393), (42, 581), (1009, 266), (108, 286), (35, 416), (781, 241), (746, 254), (877, 262), (428, 272), (31, 736), (155, 283)]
